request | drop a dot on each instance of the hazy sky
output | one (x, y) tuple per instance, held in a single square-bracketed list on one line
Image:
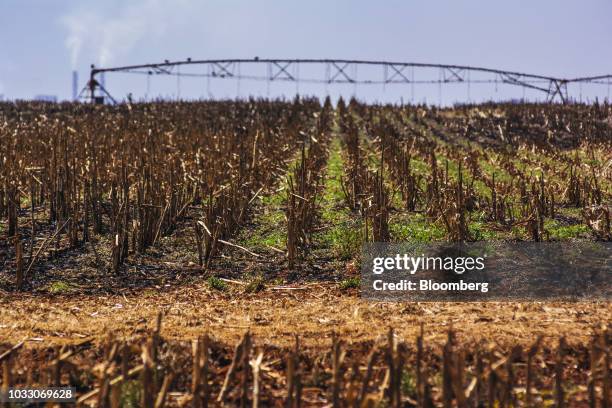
[(42, 41)]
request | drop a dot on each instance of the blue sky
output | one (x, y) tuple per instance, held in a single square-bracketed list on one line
[(42, 41)]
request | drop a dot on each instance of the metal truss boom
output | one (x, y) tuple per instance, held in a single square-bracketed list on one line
[(337, 71)]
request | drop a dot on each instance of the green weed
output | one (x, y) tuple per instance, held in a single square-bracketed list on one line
[(217, 284), (60, 287), (559, 232), (409, 384), (350, 283), (131, 393), (415, 228)]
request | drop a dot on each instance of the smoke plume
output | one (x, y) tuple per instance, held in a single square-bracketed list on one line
[(112, 34)]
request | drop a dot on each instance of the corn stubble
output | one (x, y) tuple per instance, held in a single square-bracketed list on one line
[(117, 180), (132, 173), (393, 372), (84, 176), (515, 166)]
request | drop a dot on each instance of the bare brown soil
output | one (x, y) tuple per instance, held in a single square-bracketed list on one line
[(275, 315)]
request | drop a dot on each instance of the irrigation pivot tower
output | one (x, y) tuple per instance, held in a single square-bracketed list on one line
[(343, 71)]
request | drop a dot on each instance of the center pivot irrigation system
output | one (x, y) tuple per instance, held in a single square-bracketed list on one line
[(343, 71)]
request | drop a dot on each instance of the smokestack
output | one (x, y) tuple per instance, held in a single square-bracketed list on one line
[(75, 85)]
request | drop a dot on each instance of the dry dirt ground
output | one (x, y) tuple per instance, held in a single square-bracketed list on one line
[(276, 315)]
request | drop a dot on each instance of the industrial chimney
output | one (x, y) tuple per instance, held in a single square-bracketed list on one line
[(75, 85)]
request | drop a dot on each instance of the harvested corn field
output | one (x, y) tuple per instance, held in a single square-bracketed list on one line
[(208, 253)]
